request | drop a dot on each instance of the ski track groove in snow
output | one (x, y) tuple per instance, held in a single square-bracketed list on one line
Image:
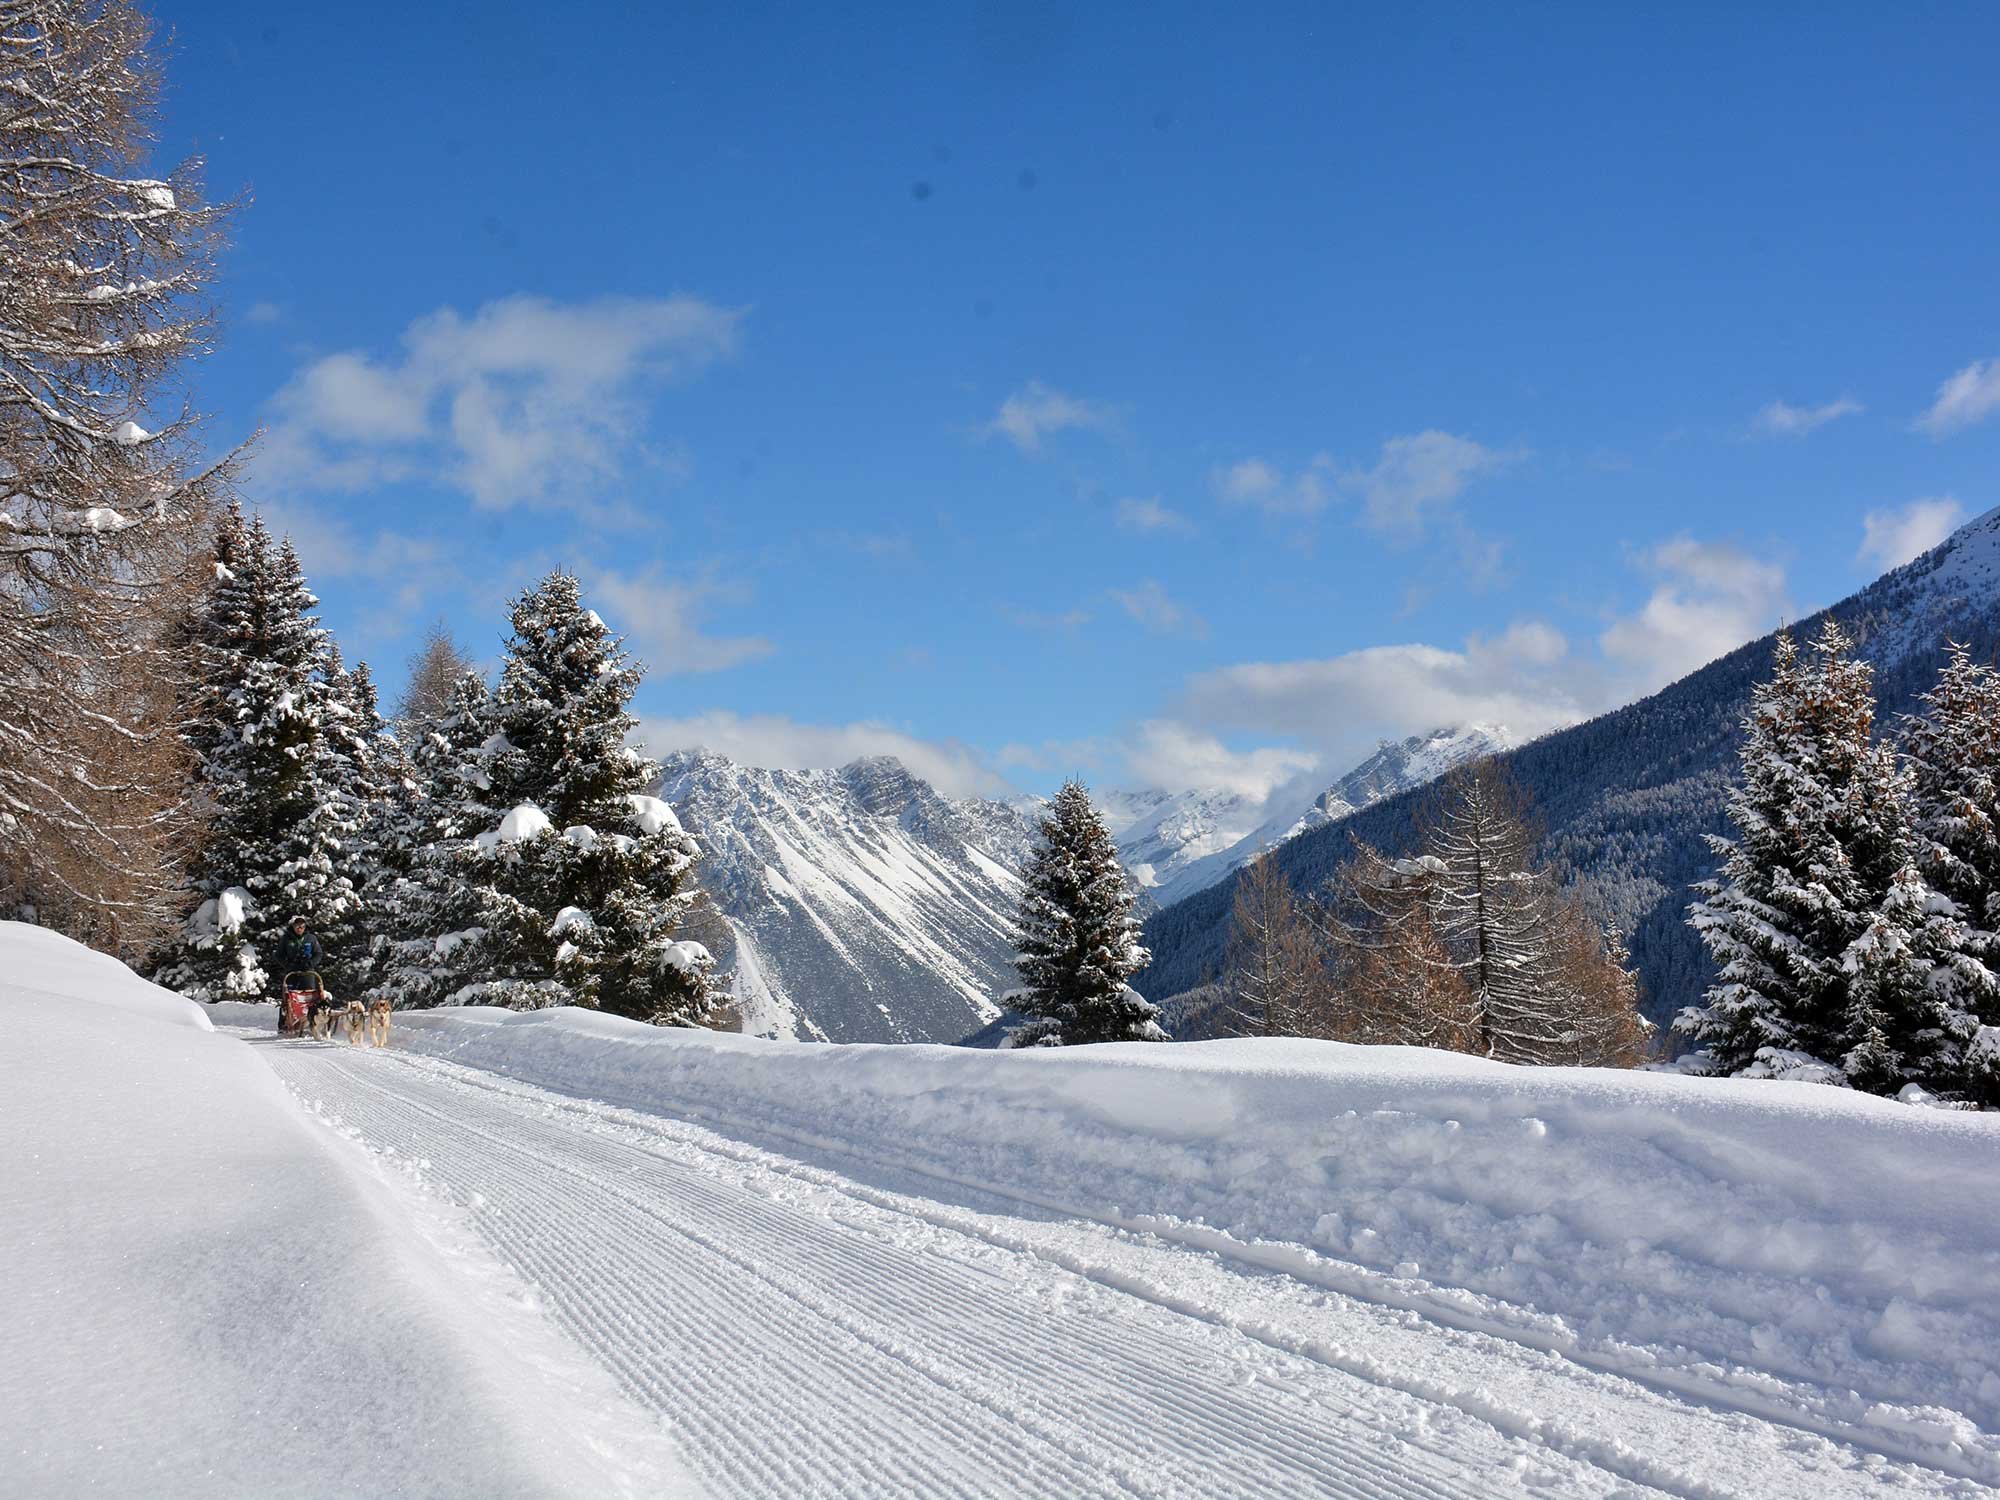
[(910, 1310), (809, 1335)]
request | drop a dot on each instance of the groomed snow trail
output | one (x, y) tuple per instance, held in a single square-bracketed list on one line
[(813, 1326)]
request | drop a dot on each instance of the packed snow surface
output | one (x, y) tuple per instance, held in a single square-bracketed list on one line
[(1808, 1264), (212, 1293), (518, 1246)]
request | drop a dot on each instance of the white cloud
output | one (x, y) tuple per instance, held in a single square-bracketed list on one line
[(527, 400), (1058, 756), (773, 741), (1154, 608), (1969, 397), (1342, 704), (1417, 478), (1252, 481), (1786, 420), (1709, 599), (1035, 619), (264, 312), (1891, 538), (1036, 410), (1148, 516), (404, 573), (1172, 755), (662, 616)]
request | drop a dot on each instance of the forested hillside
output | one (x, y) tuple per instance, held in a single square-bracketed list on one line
[(1627, 797)]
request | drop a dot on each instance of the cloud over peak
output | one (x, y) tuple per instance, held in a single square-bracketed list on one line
[(1893, 536), (1968, 397), (1708, 598), (775, 742)]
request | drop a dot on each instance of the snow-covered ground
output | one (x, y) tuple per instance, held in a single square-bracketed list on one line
[(1221, 1269), (211, 1294)]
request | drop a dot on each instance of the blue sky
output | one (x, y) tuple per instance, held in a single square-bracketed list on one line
[(1165, 394)]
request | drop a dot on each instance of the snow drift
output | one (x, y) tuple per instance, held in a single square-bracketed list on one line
[(1817, 1256), (212, 1293)]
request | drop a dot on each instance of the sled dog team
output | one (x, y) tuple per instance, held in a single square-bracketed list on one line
[(300, 951), (362, 1021)]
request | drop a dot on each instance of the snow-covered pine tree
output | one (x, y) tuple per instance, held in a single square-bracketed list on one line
[(212, 958), (1829, 944), (106, 273), (1953, 750), (365, 764), (582, 884), (297, 776), (275, 813), (433, 813), (1075, 936)]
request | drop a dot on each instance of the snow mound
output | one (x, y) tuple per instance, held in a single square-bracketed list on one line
[(689, 958), (1821, 1252), (213, 1293), (525, 822), (652, 815)]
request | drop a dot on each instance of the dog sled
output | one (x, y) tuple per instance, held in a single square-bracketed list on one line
[(305, 993), (308, 1010)]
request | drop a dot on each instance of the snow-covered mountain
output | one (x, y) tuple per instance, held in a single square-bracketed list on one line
[(1160, 834), (866, 906), (1630, 797), (1396, 766)]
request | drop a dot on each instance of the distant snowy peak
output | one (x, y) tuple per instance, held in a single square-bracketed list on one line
[(1940, 592), (1396, 766), (1159, 834), (865, 905)]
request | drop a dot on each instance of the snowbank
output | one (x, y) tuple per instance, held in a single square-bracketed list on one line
[(211, 1292), (1823, 1256)]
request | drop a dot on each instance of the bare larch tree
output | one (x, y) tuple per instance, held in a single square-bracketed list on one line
[(1278, 982), (1397, 978), (104, 272), (435, 670)]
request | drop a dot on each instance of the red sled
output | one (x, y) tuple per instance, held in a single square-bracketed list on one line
[(304, 993)]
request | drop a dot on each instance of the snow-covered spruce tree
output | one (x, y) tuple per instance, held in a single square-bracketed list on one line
[(434, 811), (1076, 940), (1953, 751), (105, 271), (1832, 950), (314, 822), (269, 783), (213, 959), (365, 766), (582, 884)]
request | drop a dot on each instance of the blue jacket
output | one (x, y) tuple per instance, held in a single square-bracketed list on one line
[(299, 952)]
